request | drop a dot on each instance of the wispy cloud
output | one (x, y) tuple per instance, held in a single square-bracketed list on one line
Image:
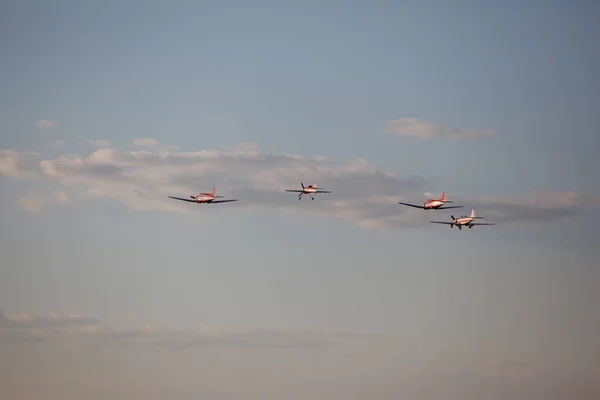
[(56, 144), (101, 143), (26, 321), (45, 123), (19, 165), (24, 327), (36, 200), (530, 207), (153, 144), (143, 179), (266, 364), (424, 129)]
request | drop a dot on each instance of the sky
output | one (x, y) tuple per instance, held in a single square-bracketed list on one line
[(109, 289)]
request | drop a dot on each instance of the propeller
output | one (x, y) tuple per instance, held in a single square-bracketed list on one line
[(452, 216), (302, 185)]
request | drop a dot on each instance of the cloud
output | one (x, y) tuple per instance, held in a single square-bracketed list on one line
[(45, 123), (534, 206), (424, 129), (229, 362), (101, 143), (56, 144), (26, 321), (36, 200), (19, 165), (145, 142), (144, 179), (363, 194), (77, 328), (153, 144)]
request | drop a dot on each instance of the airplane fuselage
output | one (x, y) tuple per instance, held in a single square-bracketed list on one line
[(203, 199), (310, 189), (463, 220), (433, 204)]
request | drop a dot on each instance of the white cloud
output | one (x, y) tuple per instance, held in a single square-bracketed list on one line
[(101, 143), (19, 165), (36, 200), (362, 193), (45, 123), (424, 129)]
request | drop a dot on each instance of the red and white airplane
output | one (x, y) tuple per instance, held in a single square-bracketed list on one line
[(309, 190), (433, 204), (204, 198), (463, 220)]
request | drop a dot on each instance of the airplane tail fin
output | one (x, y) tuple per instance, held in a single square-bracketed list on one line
[(474, 216), (213, 193), (443, 199)]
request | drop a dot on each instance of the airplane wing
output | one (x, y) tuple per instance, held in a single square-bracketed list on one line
[(440, 222), (411, 205), (293, 190), (481, 223), (322, 191), (445, 208), (221, 201), (179, 198)]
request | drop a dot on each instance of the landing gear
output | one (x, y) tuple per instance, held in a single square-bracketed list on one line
[(470, 226)]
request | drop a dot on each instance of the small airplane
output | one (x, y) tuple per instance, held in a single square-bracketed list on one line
[(463, 220), (204, 198), (433, 204), (309, 190)]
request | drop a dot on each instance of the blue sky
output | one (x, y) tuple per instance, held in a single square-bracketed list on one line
[(226, 94)]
